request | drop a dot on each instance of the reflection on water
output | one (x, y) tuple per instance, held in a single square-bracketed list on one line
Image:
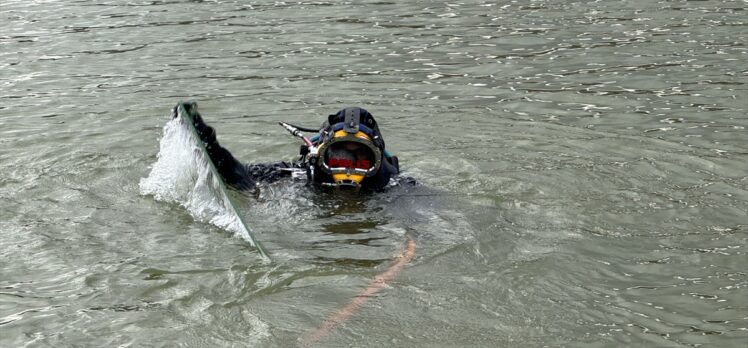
[(581, 170)]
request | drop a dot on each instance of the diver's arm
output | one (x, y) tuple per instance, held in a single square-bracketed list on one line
[(234, 173), (269, 172)]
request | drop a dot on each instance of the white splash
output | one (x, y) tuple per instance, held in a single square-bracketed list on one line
[(182, 175)]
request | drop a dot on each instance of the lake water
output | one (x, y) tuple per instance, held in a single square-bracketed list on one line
[(582, 170)]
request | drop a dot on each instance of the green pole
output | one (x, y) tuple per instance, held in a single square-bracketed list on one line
[(181, 112)]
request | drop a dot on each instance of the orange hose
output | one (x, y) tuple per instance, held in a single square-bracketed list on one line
[(374, 286)]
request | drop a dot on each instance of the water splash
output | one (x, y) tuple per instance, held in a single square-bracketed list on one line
[(183, 174)]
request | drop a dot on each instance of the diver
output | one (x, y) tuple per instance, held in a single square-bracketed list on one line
[(347, 151)]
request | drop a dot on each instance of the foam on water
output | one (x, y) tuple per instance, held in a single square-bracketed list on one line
[(182, 175)]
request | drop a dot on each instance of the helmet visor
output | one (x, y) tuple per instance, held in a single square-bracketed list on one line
[(349, 155)]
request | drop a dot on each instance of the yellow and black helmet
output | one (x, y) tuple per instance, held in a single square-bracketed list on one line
[(350, 148)]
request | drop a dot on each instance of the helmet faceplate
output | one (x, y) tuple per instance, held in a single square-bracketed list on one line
[(349, 158)]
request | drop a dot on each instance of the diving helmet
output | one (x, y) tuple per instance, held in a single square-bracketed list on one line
[(350, 148)]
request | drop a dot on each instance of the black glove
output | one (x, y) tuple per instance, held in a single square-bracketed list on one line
[(206, 133), (189, 106)]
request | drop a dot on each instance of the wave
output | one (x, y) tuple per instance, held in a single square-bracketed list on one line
[(182, 174)]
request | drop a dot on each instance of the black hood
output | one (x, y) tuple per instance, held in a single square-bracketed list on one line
[(352, 118)]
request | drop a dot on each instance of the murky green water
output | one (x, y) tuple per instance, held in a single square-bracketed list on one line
[(583, 171)]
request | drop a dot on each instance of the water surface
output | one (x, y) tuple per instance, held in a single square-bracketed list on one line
[(582, 170)]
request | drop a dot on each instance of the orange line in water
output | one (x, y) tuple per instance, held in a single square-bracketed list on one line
[(374, 286)]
